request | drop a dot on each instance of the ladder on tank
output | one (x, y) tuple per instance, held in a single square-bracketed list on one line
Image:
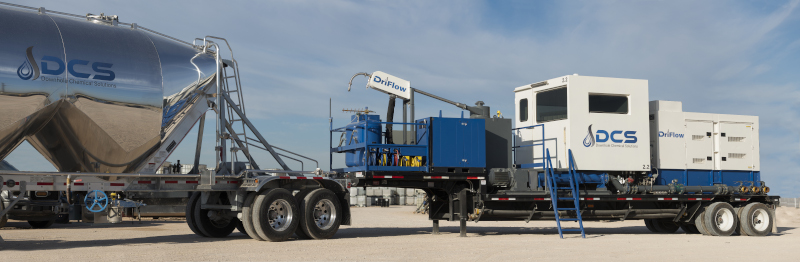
[(233, 126), (552, 185)]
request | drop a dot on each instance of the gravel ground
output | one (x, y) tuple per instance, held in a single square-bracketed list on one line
[(392, 234)]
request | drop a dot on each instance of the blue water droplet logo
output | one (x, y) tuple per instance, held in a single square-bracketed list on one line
[(589, 140), (28, 70), (25, 71)]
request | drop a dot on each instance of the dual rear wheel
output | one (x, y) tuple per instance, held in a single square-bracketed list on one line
[(273, 215), (721, 219)]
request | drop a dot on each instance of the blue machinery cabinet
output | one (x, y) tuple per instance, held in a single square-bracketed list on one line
[(454, 143), (443, 145)]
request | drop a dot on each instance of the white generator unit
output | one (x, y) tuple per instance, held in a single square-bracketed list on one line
[(609, 127), (602, 120), (702, 148)]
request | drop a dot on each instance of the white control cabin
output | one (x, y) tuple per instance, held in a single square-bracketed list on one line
[(603, 120)]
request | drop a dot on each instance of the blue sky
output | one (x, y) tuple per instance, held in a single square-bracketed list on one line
[(735, 57)]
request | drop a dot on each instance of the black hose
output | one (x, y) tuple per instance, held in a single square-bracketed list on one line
[(390, 118)]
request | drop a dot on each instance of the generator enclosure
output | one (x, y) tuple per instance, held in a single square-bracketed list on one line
[(602, 120), (711, 148), (455, 144)]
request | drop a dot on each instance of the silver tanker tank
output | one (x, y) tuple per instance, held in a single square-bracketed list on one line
[(90, 94)]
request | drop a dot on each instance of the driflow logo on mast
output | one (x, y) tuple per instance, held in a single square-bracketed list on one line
[(51, 65), (615, 138), (390, 84)]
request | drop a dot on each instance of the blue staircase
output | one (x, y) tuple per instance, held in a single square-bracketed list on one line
[(554, 197)]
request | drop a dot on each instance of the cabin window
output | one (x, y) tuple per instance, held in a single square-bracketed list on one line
[(523, 110), (610, 104), (551, 105)]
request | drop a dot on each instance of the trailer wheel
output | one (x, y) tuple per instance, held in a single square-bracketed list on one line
[(274, 214), (216, 227), (755, 220), (247, 216), (649, 224), (322, 214), (42, 224), (665, 226), (299, 197), (720, 219), (700, 224), (190, 220)]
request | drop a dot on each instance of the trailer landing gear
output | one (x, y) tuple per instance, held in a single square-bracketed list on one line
[(463, 228)]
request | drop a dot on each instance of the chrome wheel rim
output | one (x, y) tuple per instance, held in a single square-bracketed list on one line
[(324, 214), (760, 220), (280, 215), (724, 219)]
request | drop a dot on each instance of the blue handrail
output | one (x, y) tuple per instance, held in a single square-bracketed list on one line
[(367, 147)]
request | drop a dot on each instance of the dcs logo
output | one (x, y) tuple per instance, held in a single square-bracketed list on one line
[(29, 70), (628, 137)]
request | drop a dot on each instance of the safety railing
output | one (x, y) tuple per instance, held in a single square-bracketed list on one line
[(534, 143), (381, 156)]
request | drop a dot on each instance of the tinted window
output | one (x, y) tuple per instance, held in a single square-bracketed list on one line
[(551, 105), (608, 104), (523, 110)]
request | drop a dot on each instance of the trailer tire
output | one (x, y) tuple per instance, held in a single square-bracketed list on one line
[(41, 224), (322, 214), (700, 223), (689, 228), (649, 224), (720, 219), (247, 216), (210, 228), (190, 220), (299, 197), (274, 214), (665, 226), (755, 219)]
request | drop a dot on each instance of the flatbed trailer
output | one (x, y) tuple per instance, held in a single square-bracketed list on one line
[(477, 183)]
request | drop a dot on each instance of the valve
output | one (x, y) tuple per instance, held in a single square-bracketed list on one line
[(96, 201)]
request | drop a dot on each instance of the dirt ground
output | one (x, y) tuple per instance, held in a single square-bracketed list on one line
[(395, 234)]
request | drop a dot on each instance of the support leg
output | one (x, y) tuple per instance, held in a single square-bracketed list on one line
[(463, 228), (436, 227)]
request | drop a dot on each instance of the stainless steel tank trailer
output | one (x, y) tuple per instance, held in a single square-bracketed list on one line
[(107, 102)]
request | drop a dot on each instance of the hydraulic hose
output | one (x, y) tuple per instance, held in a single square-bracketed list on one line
[(390, 118)]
